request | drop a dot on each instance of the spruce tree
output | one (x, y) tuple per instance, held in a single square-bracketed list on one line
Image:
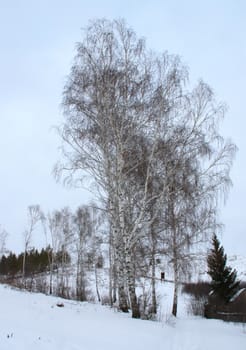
[(224, 279)]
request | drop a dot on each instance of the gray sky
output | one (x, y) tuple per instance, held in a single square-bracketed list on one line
[(37, 41)]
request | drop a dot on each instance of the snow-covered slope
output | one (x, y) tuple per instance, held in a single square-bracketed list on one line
[(238, 262), (199, 271), (34, 321)]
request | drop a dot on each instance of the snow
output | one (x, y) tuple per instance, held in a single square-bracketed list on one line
[(238, 262), (33, 321), (235, 296)]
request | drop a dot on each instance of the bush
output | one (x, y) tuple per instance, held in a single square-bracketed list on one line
[(196, 306), (105, 300), (197, 290), (199, 295)]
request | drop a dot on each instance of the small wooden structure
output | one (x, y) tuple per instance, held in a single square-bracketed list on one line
[(233, 311)]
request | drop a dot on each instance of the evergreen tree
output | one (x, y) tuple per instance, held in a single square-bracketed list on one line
[(224, 279)]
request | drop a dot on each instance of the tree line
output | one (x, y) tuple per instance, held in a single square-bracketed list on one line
[(73, 247), (36, 262)]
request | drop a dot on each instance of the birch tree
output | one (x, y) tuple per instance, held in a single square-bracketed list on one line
[(3, 238), (65, 238), (82, 232), (34, 216), (197, 175), (128, 120), (116, 92), (52, 227)]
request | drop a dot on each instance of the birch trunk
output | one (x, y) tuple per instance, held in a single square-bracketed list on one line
[(121, 241), (51, 263), (175, 293), (123, 305), (153, 266), (131, 284), (97, 288), (153, 289), (111, 266), (175, 263)]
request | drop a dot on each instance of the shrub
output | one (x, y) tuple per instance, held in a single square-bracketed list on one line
[(196, 306), (197, 290)]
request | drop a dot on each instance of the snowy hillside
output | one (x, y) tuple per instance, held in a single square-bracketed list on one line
[(199, 272), (34, 321), (238, 262)]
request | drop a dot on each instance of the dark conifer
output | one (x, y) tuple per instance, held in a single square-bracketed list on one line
[(224, 279)]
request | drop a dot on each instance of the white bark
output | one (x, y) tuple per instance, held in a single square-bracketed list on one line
[(34, 216)]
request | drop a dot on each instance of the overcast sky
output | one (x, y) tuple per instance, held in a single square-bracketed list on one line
[(37, 43)]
